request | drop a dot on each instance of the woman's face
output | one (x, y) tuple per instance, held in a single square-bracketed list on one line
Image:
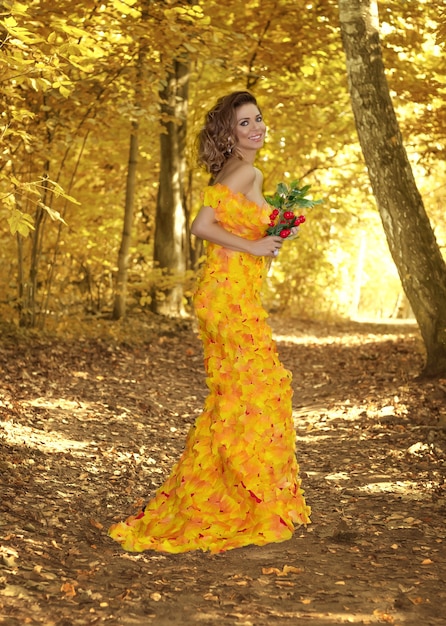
[(250, 128)]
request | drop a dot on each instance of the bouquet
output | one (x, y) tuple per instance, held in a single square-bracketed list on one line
[(286, 201)]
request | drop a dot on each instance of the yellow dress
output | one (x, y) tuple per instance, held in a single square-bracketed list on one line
[(236, 482)]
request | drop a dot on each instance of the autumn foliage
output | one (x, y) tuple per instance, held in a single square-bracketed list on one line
[(73, 94)]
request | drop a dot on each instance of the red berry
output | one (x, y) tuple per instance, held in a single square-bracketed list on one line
[(301, 219), (288, 215), (284, 233)]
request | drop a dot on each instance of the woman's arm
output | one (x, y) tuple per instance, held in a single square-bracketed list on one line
[(206, 226)]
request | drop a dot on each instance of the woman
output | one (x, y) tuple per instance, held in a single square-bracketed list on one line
[(237, 481)]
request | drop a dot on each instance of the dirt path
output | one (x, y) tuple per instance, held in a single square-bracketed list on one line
[(90, 427)]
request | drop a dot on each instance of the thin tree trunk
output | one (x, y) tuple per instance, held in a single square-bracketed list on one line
[(120, 300), (119, 307), (171, 249), (53, 261), (29, 310), (20, 273), (411, 240)]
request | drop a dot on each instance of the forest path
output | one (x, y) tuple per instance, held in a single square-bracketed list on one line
[(89, 428)]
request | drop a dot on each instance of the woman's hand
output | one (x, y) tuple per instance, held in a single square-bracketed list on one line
[(267, 246), (293, 234)]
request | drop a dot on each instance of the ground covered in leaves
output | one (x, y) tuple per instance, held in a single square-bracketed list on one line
[(90, 426)]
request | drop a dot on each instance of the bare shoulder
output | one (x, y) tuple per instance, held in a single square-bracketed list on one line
[(240, 178)]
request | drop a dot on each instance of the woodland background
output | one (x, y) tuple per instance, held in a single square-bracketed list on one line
[(86, 88)]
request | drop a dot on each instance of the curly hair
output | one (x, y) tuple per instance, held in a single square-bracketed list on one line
[(216, 142)]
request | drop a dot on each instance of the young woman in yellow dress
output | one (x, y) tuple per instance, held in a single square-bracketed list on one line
[(237, 481)]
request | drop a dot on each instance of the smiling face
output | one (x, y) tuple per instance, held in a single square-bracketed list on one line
[(250, 129)]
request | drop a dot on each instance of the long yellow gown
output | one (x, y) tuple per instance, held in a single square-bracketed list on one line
[(236, 482)]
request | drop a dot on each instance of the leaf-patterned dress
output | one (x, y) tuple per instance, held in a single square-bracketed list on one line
[(236, 482)]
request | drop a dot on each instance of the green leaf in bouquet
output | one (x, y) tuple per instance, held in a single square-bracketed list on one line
[(274, 201), (304, 190), (282, 189)]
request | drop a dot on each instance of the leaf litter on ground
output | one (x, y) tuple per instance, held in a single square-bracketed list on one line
[(90, 427)]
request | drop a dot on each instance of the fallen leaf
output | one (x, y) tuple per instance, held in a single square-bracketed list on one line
[(271, 570), (286, 569), (125, 595), (417, 600), (291, 569), (96, 524), (210, 596), (68, 589), (156, 597)]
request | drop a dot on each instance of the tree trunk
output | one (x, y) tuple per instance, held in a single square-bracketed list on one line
[(29, 310), (120, 301), (119, 307), (411, 240), (171, 241)]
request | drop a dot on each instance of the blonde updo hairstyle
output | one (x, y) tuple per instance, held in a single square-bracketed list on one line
[(216, 141)]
